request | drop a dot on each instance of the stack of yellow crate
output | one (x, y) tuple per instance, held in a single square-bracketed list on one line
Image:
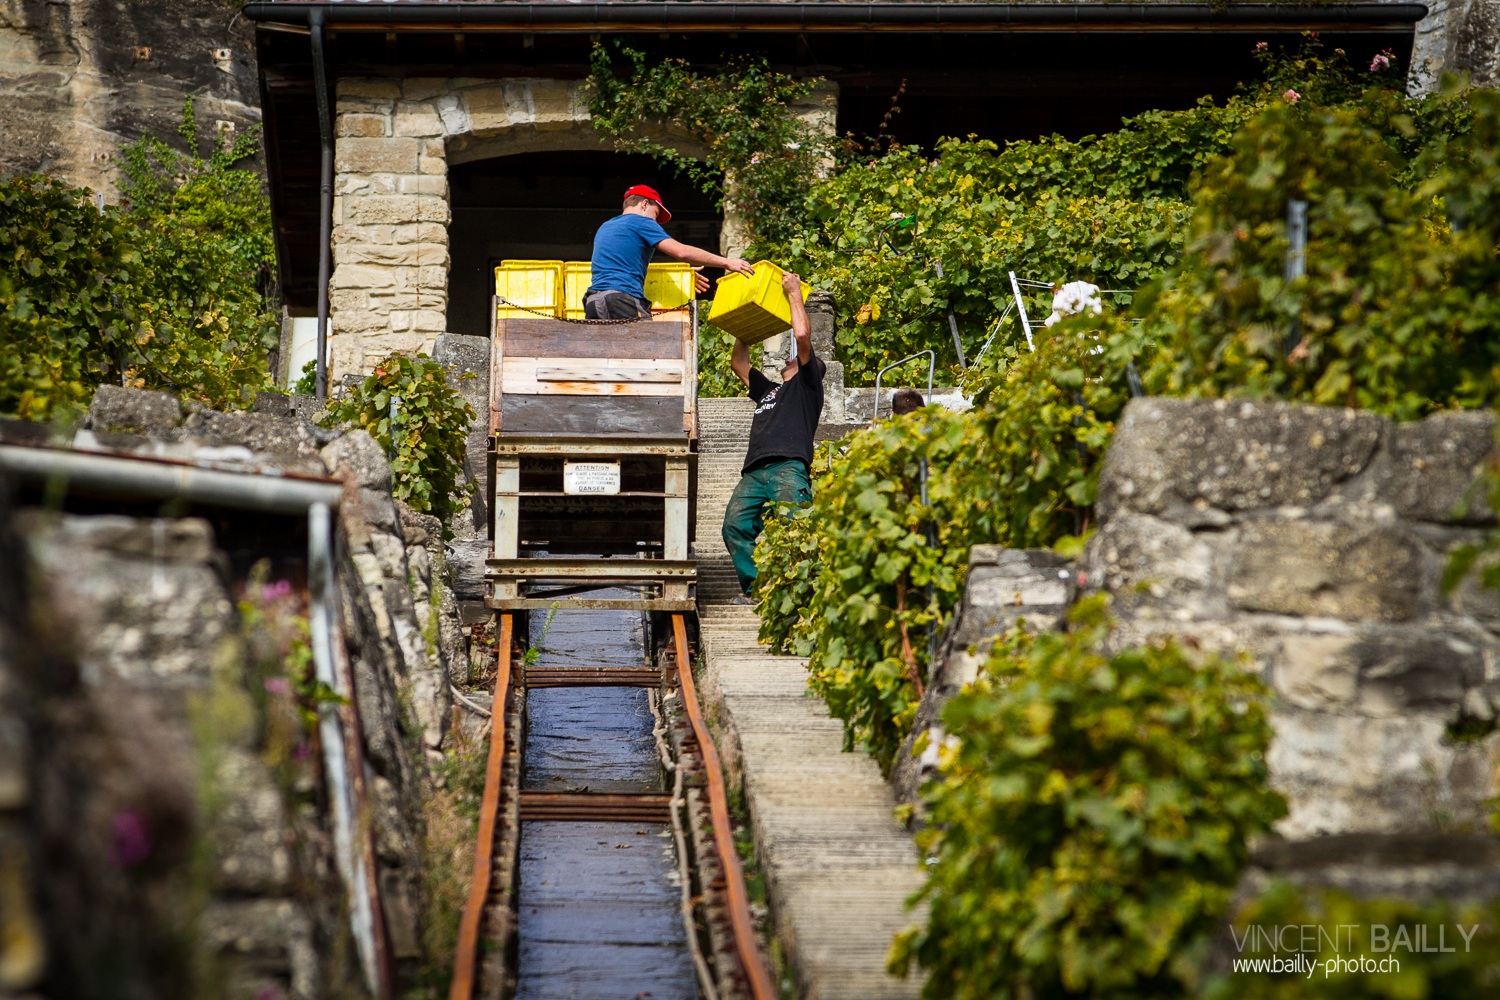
[(753, 309), (557, 287)]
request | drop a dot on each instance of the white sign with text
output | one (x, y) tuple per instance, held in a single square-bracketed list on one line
[(591, 478)]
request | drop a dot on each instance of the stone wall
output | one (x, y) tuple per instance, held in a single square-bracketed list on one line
[(1456, 36), (1312, 542), (80, 78), (150, 738)]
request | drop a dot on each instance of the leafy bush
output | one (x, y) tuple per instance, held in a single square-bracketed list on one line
[(423, 424), (843, 583), (1397, 309), (1092, 818), (1463, 970), (170, 294)]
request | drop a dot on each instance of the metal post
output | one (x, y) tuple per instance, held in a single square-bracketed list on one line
[(1015, 287), (958, 345), (325, 201), (1296, 258)]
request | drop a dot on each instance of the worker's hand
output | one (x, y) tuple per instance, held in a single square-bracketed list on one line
[(700, 283), (739, 266), (791, 283)]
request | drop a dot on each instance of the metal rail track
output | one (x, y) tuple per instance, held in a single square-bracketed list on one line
[(642, 807)]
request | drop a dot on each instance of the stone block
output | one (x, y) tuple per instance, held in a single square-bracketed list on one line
[(362, 276), (140, 411), (424, 232), (365, 234), (1438, 466), (487, 109), (1170, 454), (357, 321), (1415, 669), (434, 148), (391, 210), (1345, 773), (432, 166), (423, 88), (437, 186), (364, 185), (1372, 571), (363, 126), (368, 87), (1317, 671), (392, 255), (450, 109), (370, 156), (360, 455), (1133, 555), (419, 120)]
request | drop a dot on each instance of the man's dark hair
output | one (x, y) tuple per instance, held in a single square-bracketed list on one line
[(638, 199), (906, 401)]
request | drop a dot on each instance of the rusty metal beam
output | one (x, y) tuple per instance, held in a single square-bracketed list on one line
[(464, 968), (761, 987), (584, 807), (598, 677)]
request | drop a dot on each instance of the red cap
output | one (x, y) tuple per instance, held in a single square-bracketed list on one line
[(648, 192)]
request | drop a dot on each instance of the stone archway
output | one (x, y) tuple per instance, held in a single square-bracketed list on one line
[(395, 141)]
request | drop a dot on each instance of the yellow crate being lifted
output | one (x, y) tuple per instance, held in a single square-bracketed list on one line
[(668, 286), (534, 284), (753, 309)]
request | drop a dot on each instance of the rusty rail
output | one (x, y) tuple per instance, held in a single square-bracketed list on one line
[(464, 962), (761, 987)]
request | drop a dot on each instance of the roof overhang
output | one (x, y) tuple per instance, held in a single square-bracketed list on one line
[(710, 16)]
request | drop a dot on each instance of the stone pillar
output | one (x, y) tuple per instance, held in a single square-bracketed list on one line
[(821, 315), (390, 216)]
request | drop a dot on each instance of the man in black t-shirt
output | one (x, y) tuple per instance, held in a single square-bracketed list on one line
[(781, 439)]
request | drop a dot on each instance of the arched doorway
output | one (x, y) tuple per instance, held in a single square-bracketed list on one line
[(546, 206)]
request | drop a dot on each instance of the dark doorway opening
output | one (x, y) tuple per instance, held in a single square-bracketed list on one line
[(546, 206)]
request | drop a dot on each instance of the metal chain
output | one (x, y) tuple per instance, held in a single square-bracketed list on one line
[(502, 300)]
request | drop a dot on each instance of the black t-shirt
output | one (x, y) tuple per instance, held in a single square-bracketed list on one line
[(786, 415)]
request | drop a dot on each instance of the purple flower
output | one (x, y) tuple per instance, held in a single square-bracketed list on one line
[(1291, 97), (303, 751), (274, 591), (130, 842), (1380, 62), (277, 685)]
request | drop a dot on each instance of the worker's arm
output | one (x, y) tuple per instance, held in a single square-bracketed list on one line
[(693, 255), (801, 328), (739, 361)]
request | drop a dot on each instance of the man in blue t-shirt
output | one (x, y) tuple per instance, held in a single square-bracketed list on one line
[(623, 247)]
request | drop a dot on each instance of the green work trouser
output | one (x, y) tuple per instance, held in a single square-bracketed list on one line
[(781, 481)]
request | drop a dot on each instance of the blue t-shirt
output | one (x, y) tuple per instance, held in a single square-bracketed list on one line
[(622, 248)]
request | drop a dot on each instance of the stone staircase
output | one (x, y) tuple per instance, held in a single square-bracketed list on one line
[(838, 867), (723, 433)]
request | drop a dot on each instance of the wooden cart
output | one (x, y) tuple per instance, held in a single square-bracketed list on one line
[(593, 461)]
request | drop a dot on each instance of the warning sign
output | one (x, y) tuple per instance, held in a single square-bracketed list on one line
[(591, 478)]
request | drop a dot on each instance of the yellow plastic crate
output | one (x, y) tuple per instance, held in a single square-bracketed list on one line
[(753, 309), (577, 276), (668, 285), (531, 283)]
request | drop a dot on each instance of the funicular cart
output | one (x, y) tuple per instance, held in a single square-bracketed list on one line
[(593, 460)]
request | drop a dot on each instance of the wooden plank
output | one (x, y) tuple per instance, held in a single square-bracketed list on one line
[(578, 373), (523, 376), (648, 416), (497, 361), (551, 338)]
